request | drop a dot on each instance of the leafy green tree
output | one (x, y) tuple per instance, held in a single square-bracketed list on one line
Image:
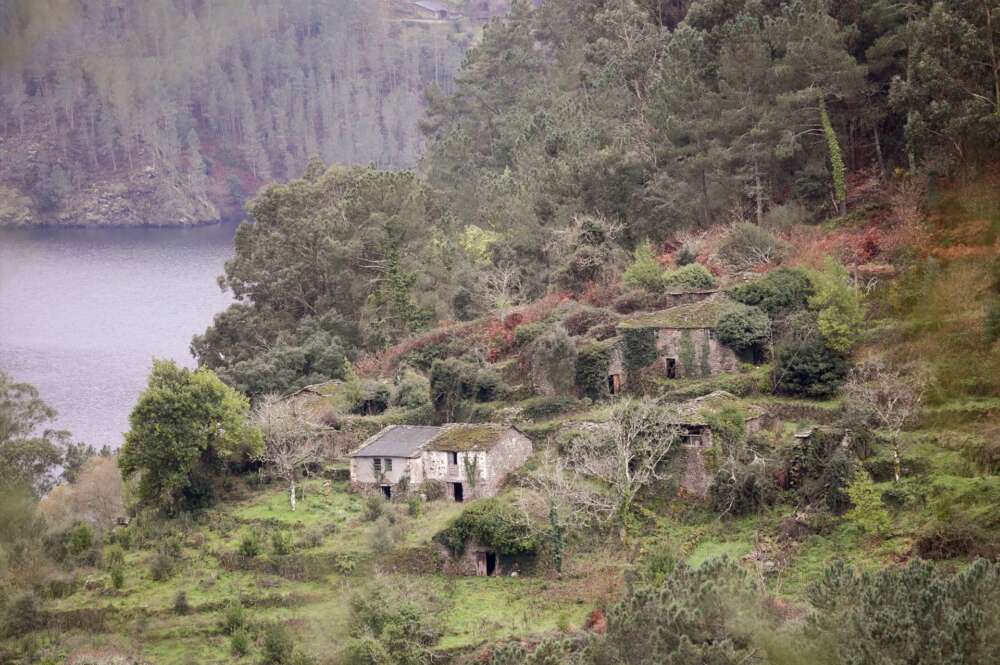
[(645, 272), (779, 293), (29, 454), (837, 301), (184, 429), (808, 368), (744, 328), (553, 362)]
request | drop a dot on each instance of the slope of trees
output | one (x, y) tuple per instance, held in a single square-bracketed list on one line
[(214, 97)]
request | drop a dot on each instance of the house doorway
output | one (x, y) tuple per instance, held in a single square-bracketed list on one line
[(457, 492), (387, 492), (671, 368), (614, 384), (486, 564)]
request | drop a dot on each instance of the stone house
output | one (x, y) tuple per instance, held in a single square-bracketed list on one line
[(691, 418), (469, 461), (685, 339), (433, 10)]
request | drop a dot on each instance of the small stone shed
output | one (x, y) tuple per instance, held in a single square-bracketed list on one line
[(471, 461), (685, 340)]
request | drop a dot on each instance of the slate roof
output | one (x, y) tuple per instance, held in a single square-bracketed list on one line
[(701, 314), (398, 441), (432, 6), (692, 412)]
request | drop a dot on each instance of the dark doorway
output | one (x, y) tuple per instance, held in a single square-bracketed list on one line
[(459, 494), (491, 564), (615, 384), (387, 491), (671, 368)]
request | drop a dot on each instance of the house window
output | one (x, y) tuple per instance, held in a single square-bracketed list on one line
[(377, 465), (452, 458), (388, 464)]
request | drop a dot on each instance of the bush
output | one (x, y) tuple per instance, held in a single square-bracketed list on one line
[(540, 408), (114, 556), (413, 507), (239, 643), (162, 566), (22, 616), (117, 578), (373, 400), (234, 617), (686, 255), (278, 646), (491, 523), (181, 605), (553, 363), (487, 386), (592, 364), (581, 321), (992, 325), (782, 218), (634, 301), (249, 546), (374, 507), (780, 293), (807, 368), (79, 540), (747, 246), (743, 328), (411, 394), (645, 272), (452, 382), (739, 491), (527, 333), (867, 511), (281, 542), (693, 277), (380, 537)]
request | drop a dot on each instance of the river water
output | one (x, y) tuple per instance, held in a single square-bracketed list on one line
[(83, 311)]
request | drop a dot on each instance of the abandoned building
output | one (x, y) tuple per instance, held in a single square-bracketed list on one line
[(685, 341), (470, 461), (691, 418), (433, 9)]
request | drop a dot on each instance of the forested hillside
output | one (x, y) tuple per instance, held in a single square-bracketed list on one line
[(174, 111)]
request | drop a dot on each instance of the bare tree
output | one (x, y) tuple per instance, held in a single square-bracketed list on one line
[(291, 440), (499, 288), (604, 469), (887, 398)]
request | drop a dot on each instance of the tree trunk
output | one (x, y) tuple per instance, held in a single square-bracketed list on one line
[(291, 493), (896, 461), (878, 148)]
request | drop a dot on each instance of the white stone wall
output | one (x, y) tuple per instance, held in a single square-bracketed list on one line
[(363, 470), (493, 466)]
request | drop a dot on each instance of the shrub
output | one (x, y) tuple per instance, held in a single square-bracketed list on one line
[(743, 328), (79, 540), (992, 325), (634, 301), (739, 490), (491, 523), (581, 321), (181, 605), (281, 542), (239, 643), (867, 510), (234, 617), (807, 368), (380, 537), (541, 408), (452, 382), (645, 272), (313, 537), (114, 556), (278, 646), (487, 386), (117, 578), (373, 399), (249, 546), (162, 566), (411, 394), (747, 246), (592, 363), (22, 616), (374, 507), (837, 302), (779, 293), (783, 217), (553, 363), (413, 506), (686, 255), (693, 277), (639, 348), (528, 333)]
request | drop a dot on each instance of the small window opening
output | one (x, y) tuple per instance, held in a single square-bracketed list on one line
[(452, 458)]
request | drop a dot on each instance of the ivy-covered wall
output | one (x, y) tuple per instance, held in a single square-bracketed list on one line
[(592, 365)]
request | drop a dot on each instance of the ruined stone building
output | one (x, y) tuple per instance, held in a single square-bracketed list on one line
[(469, 461), (683, 340)]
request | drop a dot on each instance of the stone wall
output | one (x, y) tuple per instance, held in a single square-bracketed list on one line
[(363, 471), (492, 467), (696, 352)]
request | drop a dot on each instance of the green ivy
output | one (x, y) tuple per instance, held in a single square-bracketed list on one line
[(639, 348), (687, 352), (836, 156), (491, 523), (592, 363)]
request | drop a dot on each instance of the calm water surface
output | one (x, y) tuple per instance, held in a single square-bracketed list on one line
[(84, 311)]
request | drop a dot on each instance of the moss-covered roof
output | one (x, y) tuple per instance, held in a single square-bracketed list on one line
[(694, 411), (460, 438), (702, 314)]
